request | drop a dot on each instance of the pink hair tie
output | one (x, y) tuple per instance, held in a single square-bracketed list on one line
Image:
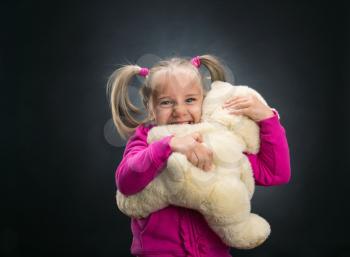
[(196, 61), (143, 72)]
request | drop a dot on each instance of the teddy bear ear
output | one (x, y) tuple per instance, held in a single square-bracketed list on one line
[(212, 85), (218, 83), (256, 93)]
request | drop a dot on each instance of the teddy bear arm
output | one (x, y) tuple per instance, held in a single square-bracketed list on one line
[(248, 130), (143, 203)]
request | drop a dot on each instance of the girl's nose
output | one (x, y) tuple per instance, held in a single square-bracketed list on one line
[(179, 110)]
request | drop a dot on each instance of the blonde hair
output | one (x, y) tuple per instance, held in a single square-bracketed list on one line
[(118, 83)]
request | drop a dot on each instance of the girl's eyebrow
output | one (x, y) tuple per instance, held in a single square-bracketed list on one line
[(159, 98), (170, 96), (192, 94)]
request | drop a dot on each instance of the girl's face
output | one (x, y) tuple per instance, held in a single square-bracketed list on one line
[(177, 98)]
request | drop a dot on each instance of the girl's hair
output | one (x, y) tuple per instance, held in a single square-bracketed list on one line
[(118, 83)]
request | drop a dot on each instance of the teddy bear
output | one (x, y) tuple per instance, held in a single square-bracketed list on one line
[(222, 195)]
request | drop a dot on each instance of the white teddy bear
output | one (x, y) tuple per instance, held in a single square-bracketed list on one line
[(221, 195)]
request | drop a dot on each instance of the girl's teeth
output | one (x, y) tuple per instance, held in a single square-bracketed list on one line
[(187, 122)]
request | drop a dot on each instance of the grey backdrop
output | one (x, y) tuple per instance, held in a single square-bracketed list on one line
[(59, 151)]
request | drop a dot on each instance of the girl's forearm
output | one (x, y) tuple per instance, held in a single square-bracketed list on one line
[(271, 166), (140, 164)]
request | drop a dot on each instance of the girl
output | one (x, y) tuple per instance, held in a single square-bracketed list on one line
[(173, 93)]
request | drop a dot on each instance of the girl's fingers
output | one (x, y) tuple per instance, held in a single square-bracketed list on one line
[(209, 159), (237, 106), (239, 101), (198, 137), (200, 163), (201, 166), (201, 156), (242, 111), (207, 165), (235, 99), (232, 99), (194, 159), (204, 167), (205, 157)]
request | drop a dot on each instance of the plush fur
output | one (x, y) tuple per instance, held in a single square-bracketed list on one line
[(223, 194)]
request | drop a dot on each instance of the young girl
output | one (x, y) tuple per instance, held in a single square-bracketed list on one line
[(173, 93)]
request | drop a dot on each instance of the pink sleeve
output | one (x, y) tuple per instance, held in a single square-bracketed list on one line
[(141, 162), (271, 166)]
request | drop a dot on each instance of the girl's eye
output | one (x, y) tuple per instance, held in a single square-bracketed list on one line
[(190, 100), (165, 102)]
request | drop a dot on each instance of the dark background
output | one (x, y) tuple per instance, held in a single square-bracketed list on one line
[(58, 166)]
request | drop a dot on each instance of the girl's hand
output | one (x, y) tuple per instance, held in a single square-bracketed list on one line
[(250, 106), (191, 146)]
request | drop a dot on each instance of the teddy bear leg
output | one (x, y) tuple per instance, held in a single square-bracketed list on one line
[(250, 233), (228, 214)]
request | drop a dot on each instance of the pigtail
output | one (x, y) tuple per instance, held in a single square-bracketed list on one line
[(214, 66), (121, 106)]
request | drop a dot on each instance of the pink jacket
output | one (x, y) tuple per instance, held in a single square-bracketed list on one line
[(175, 231)]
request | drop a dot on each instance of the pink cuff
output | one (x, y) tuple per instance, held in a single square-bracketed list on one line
[(274, 117), (276, 112)]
